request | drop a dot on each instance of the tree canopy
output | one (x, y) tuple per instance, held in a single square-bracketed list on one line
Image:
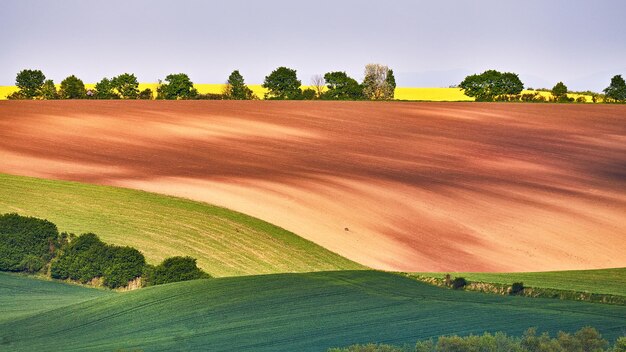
[(30, 83), (126, 85), (340, 86), (617, 89), (491, 84), (282, 84), (236, 89), (377, 85), (559, 92), (177, 86), (72, 88)]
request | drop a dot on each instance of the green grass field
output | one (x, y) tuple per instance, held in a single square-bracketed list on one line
[(225, 242), (603, 281), (22, 296), (295, 312)]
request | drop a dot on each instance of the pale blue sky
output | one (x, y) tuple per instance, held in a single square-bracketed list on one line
[(427, 43)]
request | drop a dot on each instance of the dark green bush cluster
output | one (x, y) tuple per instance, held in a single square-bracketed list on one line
[(586, 339), (173, 269), (29, 244), (87, 258), (26, 243), (459, 283)]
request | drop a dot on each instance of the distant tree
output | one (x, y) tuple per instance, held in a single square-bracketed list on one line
[(145, 94), (30, 83), (340, 86), (282, 84), (178, 86), (391, 83), (376, 85), (617, 89), (559, 92), (491, 84), (459, 283), (174, 269), (49, 90), (126, 86), (72, 88), (318, 84), (517, 288), (236, 88), (105, 90)]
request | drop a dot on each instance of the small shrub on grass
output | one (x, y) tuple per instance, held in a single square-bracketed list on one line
[(517, 288), (459, 283)]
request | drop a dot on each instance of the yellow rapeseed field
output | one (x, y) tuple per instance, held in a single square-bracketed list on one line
[(401, 93)]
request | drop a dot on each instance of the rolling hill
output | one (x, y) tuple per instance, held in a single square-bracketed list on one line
[(224, 242), (414, 187), (303, 312)]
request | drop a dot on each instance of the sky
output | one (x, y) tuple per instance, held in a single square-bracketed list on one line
[(426, 43)]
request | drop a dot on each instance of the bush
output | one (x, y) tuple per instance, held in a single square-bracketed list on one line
[(459, 283), (517, 288), (26, 243), (581, 100), (145, 94), (87, 258), (173, 269)]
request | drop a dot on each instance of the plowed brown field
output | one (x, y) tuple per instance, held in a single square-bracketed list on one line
[(404, 186)]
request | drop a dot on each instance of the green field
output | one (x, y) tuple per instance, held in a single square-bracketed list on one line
[(21, 296), (295, 312), (225, 242), (603, 281)]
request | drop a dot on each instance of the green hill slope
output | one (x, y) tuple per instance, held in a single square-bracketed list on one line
[(225, 242), (22, 296), (604, 281), (293, 312)]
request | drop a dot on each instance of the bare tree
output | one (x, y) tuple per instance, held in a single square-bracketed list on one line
[(375, 84), (318, 84)]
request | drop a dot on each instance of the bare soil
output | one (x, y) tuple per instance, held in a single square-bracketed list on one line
[(398, 186)]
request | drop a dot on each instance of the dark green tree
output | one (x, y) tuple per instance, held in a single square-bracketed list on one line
[(308, 94), (72, 88), (391, 83), (177, 86), (559, 92), (282, 84), (26, 243), (30, 83), (174, 269), (236, 88), (49, 90), (491, 84), (126, 86), (105, 90), (617, 89), (340, 86)]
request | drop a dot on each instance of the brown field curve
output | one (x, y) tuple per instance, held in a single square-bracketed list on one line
[(401, 186)]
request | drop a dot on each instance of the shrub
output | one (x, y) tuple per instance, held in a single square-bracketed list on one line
[(309, 94), (173, 269), (26, 243), (459, 283), (145, 94), (517, 288), (581, 100)]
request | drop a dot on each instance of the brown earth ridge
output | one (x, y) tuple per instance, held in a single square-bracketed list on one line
[(392, 185)]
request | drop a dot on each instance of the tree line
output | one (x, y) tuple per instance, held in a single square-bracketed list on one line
[(281, 84), (33, 245), (587, 339)]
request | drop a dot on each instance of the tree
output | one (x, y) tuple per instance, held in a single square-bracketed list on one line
[(145, 94), (391, 83), (30, 83), (617, 89), (559, 92), (49, 90), (376, 86), (308, 94), (178, 86), (26, 242), (174, 269), (341, 87), (282, 84), (236, 89), (318, 84), (491, 84), (72, 88), (126, 85), (105, 90)]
